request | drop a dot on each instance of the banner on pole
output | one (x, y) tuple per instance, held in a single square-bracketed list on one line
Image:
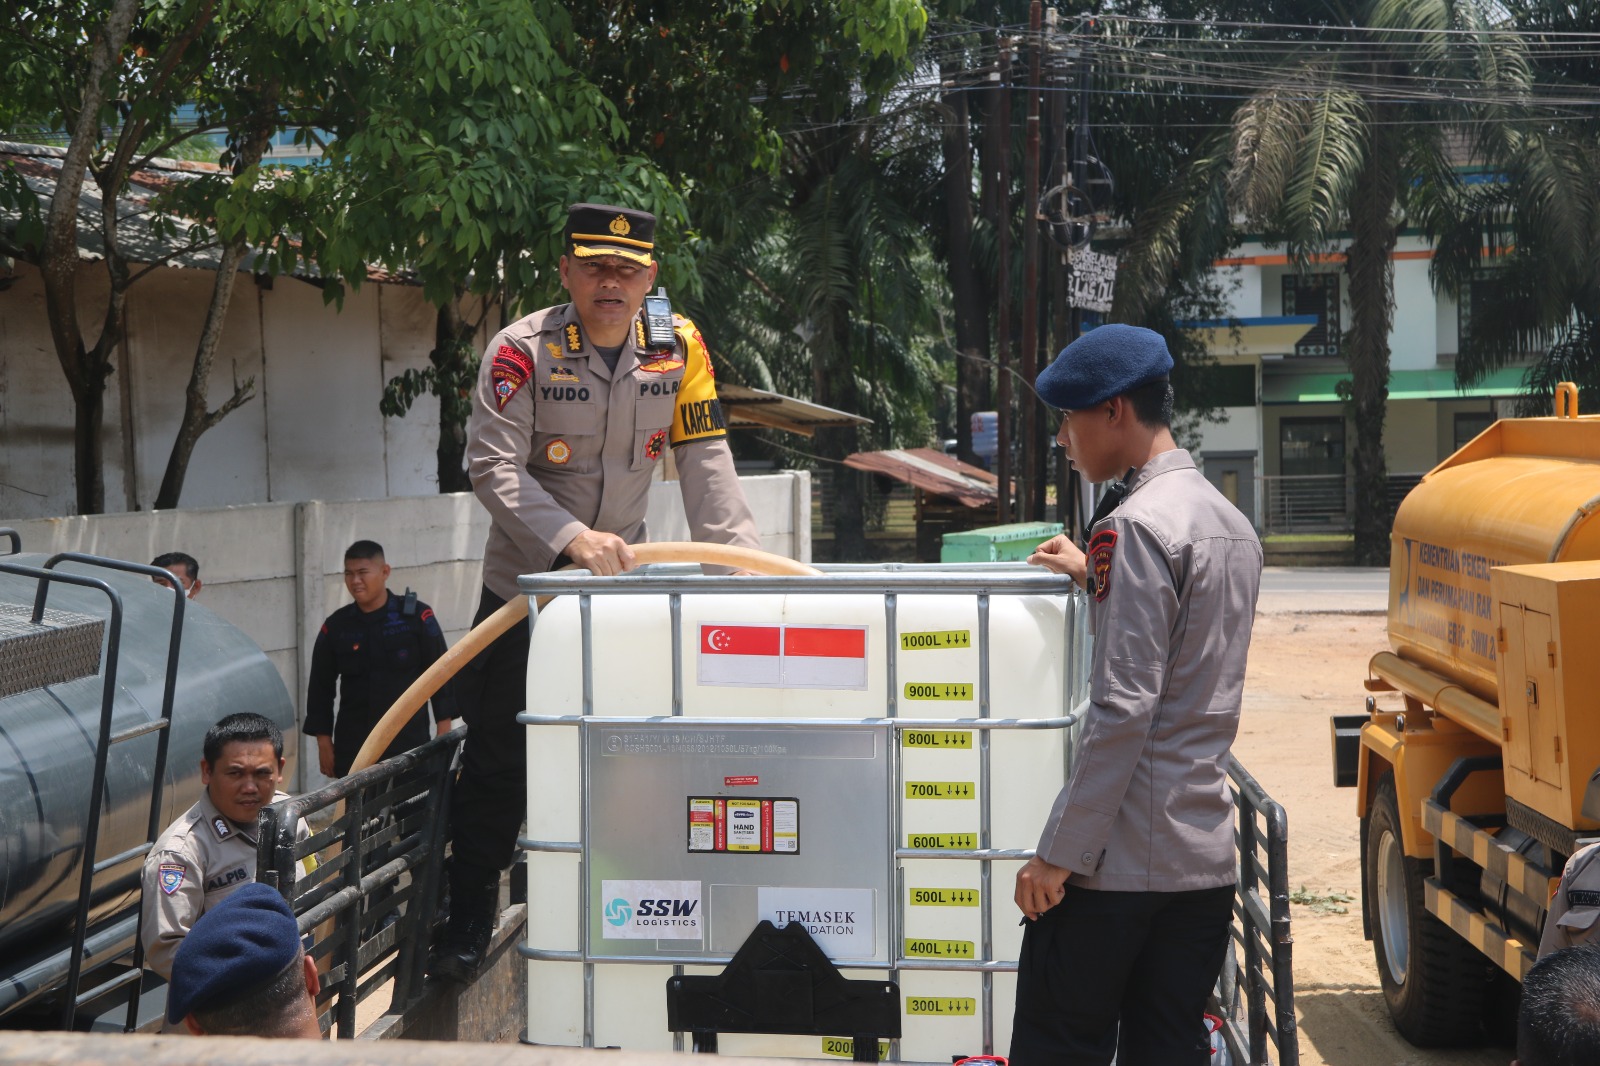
[(1093, 277)]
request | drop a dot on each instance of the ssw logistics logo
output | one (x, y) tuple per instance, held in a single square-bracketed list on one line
[(652, 910)]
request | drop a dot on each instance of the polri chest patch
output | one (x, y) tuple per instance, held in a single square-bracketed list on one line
[(1102, 548), (509, 372)]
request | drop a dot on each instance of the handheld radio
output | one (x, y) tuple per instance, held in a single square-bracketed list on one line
[(658, 331)]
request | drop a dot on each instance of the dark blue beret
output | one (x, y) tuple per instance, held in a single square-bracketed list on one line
[(247, 939), (1105, 362)]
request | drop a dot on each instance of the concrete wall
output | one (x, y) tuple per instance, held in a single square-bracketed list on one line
[(312, 430), (275, 570)]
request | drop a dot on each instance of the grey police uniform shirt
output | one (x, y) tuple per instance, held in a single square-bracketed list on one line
[(197, 862), (558, 443), (1174, 572), (1576, 904)]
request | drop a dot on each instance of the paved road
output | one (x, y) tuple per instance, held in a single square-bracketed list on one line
[(1344, 589)]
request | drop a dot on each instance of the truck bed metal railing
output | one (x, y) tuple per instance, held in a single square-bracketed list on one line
[(891, 582), (387, 822), (1262, 981)]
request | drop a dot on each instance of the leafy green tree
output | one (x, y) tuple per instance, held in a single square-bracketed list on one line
[(112, 75)]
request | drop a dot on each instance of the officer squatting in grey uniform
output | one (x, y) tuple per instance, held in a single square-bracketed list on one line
[(573, 410), (1575, 905), (210, 851), (1129, 897)]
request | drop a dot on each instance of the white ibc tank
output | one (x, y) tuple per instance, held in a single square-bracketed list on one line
[(788, 658)]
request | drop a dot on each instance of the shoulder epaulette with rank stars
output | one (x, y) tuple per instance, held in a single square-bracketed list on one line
[(574, 337)]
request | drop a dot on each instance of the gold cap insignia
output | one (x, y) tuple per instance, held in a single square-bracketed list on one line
[(620, 227)]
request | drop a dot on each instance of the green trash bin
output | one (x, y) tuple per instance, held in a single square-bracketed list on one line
[(996, 544)]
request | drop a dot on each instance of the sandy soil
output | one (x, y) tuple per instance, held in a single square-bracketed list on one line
[(1304, 668)]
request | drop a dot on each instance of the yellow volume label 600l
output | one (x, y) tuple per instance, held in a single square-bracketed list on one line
[(939, 790), (938, 690), (947, 1005), (948, 638), (943, 841), (944, 897), (939, 949)]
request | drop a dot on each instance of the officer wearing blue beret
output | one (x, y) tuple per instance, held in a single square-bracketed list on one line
[(1135, 867), (242, 971)]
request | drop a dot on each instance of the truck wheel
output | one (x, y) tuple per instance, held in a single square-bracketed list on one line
[(1433, 980)]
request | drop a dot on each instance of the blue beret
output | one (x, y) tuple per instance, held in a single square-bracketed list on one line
[(244, 941), (1105, 362)]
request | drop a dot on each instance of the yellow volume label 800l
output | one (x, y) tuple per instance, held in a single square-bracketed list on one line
[(936, 738), (948, 638)]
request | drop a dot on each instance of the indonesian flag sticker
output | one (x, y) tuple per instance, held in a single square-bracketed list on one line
[(783, 656)]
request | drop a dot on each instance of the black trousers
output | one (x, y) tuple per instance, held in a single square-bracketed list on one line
[(1146, 959), (490, 797)]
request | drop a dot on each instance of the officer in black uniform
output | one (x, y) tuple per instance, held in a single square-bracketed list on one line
[(374, 649)]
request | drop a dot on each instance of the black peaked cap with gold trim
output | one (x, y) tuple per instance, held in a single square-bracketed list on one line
[(602, 229)]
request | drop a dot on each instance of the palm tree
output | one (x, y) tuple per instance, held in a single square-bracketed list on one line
[(1367, 112)]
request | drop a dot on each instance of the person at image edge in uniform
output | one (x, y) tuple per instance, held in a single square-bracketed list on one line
[(209, 852), (371, 650), (571, 414), (1129, 897)]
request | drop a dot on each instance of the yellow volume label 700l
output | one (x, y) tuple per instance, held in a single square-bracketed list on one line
[(939, 790)]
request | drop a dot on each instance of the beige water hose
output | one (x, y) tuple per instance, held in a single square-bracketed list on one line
[(515, 610)]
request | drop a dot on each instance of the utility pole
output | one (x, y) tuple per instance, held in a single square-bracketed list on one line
[(1002, 120), (1056, 268), (1030, 479), (1080, 183)]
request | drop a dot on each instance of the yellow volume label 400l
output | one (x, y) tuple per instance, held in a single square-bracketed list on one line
[(939, 949), (944, 897), (947, 1005), (947, 638)]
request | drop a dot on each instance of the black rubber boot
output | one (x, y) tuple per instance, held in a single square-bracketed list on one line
[(473, 895)]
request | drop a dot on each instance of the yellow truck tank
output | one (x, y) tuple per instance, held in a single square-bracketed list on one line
[(1525, 490)]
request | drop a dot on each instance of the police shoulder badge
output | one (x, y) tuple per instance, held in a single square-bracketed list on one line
[(171, 876), (574, 337), (510, 371), (1101, 547)]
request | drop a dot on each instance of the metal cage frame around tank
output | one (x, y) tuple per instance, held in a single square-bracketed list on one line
[(891, 581)]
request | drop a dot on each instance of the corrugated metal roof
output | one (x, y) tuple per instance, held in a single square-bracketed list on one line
[(748, 408), (931, 471), (40, 167)]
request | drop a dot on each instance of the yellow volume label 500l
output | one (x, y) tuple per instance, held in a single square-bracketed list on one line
[(944, 897)]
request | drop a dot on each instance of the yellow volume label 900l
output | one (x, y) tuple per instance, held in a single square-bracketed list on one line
[(948, 638), (947, 1005), (939, 949), (939, 790), (936, 738), (938, 690), (944, 897)]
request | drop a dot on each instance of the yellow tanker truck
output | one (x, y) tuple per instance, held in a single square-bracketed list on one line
[(1480, 774)]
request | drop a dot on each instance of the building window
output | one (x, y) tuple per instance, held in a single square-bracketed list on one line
[(1478, 292), (1311, 489), (1314, 294), (1469, 424)]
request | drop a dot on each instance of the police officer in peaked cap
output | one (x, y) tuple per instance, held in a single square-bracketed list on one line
[(1129, 897), (574, 407)]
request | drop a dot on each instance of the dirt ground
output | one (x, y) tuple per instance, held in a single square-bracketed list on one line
[(1303, 668)]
